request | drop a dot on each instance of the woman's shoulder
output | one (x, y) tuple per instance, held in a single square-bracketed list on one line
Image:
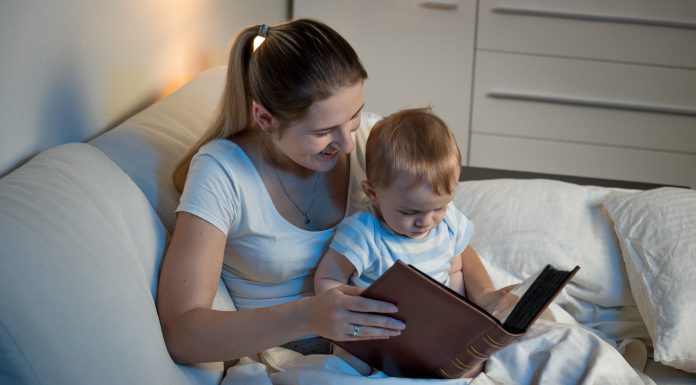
[(219, 147), (367, 120), (223, 151), (223, 160)]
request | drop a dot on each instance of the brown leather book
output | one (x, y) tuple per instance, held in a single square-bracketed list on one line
[(447, 335)]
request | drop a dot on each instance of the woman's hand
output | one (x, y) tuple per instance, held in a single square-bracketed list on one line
[(334, 314)]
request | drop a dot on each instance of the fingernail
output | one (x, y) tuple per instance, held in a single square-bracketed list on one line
[(400, 325)]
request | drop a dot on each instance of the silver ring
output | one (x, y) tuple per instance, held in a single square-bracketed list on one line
[(356, 330)]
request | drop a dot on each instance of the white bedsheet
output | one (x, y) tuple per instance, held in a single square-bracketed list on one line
[(552, 352)]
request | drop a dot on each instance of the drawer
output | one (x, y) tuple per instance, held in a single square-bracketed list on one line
[(585, 101), (637, 31), (582, 160)]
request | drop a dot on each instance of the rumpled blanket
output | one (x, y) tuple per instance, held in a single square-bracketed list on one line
[(555, 351)]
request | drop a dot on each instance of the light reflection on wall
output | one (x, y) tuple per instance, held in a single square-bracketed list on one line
[(72, 69)]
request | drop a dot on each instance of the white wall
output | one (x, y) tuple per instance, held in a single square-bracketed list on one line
[(71, 69)]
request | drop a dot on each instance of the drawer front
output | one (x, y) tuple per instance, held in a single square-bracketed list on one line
[(585, 101), (582, 160), (637, 31), (417, 53)]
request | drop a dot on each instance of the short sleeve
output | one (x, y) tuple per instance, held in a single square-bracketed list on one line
[(357, 199), (209, 193), (353, 241), (461, 226)]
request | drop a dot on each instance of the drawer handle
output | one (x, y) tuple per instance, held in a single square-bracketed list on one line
[(590, 102), (594, 17), (441, 4)]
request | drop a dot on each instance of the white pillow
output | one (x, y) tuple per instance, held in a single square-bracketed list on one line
[(148, 145), (657, 233), (81, 249), (521, 225)]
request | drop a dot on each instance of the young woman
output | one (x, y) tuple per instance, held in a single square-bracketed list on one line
[(262, 192)]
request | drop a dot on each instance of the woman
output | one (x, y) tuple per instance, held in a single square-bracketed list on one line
[(262, 192)]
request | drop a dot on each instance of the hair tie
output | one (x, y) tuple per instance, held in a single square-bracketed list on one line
[(263, 30)]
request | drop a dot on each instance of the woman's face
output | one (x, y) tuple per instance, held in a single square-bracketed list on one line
[(317, 141)]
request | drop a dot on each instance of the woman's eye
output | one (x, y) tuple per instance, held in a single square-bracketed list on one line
[(321, 134), (407, 212)]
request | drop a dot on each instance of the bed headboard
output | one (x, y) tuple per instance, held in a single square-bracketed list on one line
[(480, 173)]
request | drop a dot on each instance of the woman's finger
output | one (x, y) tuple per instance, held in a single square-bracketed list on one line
[(367, 305), (357, 332), (375, 321)]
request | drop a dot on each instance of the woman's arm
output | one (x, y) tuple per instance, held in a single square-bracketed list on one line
[(194, 332), (334, 270)]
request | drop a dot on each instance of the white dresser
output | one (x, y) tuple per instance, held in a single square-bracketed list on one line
[(592, 88)]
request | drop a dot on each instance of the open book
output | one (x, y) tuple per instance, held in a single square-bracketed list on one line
[(447, 335)]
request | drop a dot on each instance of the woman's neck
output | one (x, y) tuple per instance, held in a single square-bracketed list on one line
[(273, 157)]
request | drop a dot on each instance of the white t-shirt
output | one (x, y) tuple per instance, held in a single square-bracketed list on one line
[(372, 247), (268, 260)]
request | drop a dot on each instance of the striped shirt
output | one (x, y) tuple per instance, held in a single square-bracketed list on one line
[(373, 248)]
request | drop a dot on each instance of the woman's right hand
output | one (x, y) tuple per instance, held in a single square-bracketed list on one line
[(333, 314)]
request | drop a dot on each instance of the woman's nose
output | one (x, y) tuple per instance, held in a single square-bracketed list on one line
[(343, 140)]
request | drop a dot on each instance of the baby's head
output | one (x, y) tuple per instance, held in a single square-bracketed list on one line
[(413, 165)]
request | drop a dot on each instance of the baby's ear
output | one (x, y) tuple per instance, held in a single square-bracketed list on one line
[(369, 191)]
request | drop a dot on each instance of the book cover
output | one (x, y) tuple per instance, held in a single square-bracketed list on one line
[(447, 335)]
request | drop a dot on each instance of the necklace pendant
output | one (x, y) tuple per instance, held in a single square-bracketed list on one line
[(306, 220)]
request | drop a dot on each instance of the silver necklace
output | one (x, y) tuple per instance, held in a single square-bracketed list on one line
[(311, 203)]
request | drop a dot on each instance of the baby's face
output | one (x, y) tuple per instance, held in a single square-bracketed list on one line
[(410, 211)]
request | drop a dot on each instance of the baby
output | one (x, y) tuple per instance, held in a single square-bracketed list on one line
[(413, 166)]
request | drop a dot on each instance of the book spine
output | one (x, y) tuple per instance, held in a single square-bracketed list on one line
[(469, 361)]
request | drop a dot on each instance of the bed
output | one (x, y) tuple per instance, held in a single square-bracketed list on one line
[(523, 220), (635, 245), (626, 318)]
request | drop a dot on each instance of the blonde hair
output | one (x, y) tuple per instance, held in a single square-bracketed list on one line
[(415, 143), (300, 62)]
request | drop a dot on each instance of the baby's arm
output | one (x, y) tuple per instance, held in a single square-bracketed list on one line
[(456, 277), (479, 287), (477, 283), (334, 270)]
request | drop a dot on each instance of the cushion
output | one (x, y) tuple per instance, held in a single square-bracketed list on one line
[(657, 233), (522, 225), (148, 145), (81, 248)]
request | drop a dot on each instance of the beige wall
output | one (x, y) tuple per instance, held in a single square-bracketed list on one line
[(72, 69)]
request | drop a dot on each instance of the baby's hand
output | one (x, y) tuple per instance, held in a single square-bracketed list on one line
[(499, 303)]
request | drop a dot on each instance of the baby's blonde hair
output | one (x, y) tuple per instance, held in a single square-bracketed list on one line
[(416, 143)]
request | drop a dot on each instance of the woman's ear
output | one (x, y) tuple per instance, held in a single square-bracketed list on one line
[(369, 191), (263, 118)]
